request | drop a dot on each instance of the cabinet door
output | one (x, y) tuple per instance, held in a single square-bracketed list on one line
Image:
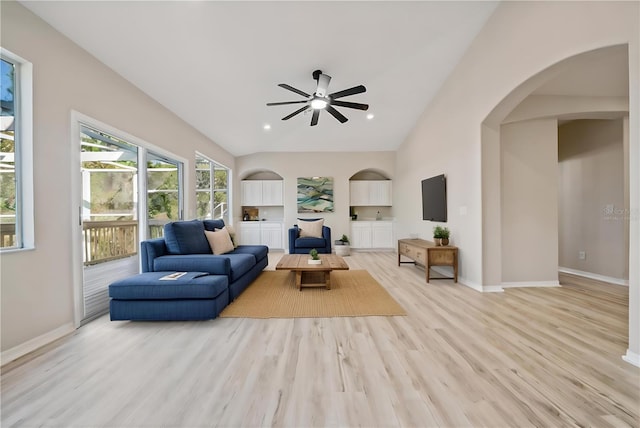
[(380, 193), (272, 192), (361, 234), (359, 193), (250, 233), (251, 192), (271, 235), (382, 235)]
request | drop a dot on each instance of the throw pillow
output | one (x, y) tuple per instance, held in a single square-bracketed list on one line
[(220, 241), (311, 229), (232, 235), (213, 224), (185, 237)]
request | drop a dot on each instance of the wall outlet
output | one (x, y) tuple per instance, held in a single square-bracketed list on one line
[(582, 255)]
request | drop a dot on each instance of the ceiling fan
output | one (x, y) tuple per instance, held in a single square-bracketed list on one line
[(320, 100)]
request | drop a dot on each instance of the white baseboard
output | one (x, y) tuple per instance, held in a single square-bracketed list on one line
[(632, 358), (597, 277), (35, 343), (530, 284), (492, 289)]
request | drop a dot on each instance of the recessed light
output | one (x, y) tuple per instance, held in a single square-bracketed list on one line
[(266, 127), (370, 116)]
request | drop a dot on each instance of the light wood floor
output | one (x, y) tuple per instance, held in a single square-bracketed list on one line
[(543, 357)]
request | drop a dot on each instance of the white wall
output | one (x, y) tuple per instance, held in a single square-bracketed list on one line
[(529, 202), (341, 166), (591, 169), (37, 291), (520, 40)]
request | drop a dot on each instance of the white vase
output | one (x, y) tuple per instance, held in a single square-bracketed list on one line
[(314, 262)]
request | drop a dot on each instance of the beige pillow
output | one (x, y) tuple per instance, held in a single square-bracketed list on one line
[(311, 229), (219, 241), (232, 234)]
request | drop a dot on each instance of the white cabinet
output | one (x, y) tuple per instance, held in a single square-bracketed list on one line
[(361, 234), (382, 234), (251, 192), (261, 192), (269, 233), (359, 193), (372, 234), (272, 192), (370, 193), (249, 233)]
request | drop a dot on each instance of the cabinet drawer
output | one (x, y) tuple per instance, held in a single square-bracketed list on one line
[(442, 257), (406, 250)]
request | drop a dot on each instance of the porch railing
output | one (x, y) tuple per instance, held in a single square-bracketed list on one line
[(7, 235), (109, 240)]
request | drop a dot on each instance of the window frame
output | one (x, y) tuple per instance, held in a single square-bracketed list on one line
[(23, 152)]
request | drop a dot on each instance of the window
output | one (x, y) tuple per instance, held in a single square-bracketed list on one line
[(16, 178), (212, 189), (164, 202)]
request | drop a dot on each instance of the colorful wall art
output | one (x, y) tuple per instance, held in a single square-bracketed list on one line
[(315, 194)]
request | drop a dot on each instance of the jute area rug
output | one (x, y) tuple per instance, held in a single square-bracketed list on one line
[(353, 293)]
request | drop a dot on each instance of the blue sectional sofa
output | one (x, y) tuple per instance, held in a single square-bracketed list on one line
[(212, 282)]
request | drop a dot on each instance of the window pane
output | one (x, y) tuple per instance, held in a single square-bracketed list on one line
[(220, 179), (109, 172), (203, 179), (220, 204), (163, 197), (211, 202), (203, 208), (8, 186)]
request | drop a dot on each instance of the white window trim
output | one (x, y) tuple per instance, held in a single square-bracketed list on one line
[(23, 152)]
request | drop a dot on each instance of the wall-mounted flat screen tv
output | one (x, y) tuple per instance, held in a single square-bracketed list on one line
[(434, 198)]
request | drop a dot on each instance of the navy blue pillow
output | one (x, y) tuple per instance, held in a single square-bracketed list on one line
[(212, 225), (186, 237)]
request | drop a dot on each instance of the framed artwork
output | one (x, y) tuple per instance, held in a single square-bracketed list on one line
[(315, 194)]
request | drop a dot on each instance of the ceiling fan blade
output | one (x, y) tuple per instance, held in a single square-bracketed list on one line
[(350, 105), (314, 118), (335, 113), (292, 89), (323, 85), (296, 112), (287, 102), (351, 91)]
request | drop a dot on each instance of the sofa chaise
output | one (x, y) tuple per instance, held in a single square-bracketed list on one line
[(212, 280)]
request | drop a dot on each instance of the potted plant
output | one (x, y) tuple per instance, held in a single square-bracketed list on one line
[(342, 246), (315, 259), (441, 235)]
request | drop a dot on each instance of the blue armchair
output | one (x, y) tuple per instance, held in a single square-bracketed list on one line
[(298, 245)]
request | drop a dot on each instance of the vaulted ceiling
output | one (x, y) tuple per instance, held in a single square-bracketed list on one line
[(216, 64)]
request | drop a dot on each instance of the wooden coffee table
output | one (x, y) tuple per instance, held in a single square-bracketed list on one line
[(312, 275)]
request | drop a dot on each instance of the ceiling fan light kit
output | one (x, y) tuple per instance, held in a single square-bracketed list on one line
[(320, 100)]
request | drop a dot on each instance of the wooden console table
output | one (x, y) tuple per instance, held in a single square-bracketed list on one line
[(428, 254)]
